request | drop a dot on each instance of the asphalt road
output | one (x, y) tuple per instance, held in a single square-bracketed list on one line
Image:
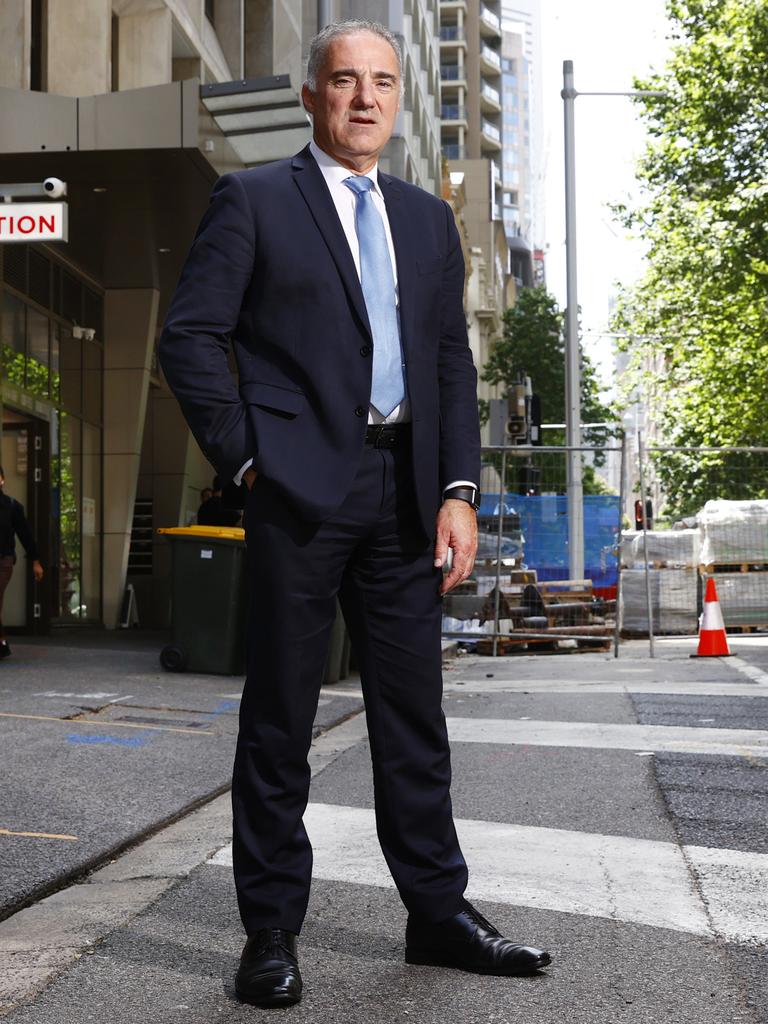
[(614, 812)]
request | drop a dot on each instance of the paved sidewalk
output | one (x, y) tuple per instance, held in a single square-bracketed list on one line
[(613, 811)]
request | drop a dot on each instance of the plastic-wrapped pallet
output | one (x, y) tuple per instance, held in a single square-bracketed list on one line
[(676, 549), (673, 601), (743, 597), (734, 532)]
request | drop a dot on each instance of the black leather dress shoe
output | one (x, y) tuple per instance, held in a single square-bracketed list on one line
[(269, 974), (470, 943)]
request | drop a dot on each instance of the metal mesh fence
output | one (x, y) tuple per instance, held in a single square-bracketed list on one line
[(523, 593), (706, 517), (658, 522)]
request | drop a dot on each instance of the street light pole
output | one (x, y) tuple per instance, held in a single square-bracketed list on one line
[(324, 15), (572, 354), (575, 489)]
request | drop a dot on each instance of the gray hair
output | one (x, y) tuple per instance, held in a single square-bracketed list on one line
[(320, 44)]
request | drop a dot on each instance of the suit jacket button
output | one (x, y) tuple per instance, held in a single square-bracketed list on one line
[(365, 350), (359, 411)]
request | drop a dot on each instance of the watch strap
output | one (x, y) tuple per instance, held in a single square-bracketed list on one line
[(464, 493)]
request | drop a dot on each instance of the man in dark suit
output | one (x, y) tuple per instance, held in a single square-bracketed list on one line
[(355, 430)]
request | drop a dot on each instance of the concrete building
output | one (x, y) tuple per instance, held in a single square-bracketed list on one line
[(489, 287), (521, 25), (470, 75), (139, 105), (413, 152)]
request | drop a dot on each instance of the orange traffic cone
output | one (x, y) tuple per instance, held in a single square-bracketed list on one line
[(712, 639)]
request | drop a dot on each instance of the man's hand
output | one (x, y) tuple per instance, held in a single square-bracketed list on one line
[(456, 529), (37, 571), (249, 477)]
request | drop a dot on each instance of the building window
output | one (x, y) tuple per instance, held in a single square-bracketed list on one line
[(36, 82), (115, 55)]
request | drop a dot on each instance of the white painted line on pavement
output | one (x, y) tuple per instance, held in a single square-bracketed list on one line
[(670, 738), (633, 880), (517, 685), (751, 671), (735, 886)]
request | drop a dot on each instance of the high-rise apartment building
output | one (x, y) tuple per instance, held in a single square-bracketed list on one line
[(138, 105), (471, 109), (413, 152), (523, 115), (470, 74)]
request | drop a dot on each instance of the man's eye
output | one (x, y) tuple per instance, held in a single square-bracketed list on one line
[(385, 84), (344, 83)]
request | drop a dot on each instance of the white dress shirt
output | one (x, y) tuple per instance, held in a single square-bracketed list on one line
[(345, 201)]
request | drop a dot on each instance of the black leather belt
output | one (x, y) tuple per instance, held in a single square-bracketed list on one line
[(387, 435)]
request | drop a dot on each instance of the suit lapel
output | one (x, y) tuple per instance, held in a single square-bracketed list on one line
[(310, 181), (405, 245)]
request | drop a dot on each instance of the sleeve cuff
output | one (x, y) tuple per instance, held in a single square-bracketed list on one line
[(237, 479), (460, 483)]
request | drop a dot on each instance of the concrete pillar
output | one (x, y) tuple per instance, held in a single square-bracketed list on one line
[(188, 67), (286, 41), (230, 16), (130, 321), (145, 49), (259, 20), (15, 24), (77, 40)]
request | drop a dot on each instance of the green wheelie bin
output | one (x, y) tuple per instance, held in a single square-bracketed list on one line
[(209, 600)]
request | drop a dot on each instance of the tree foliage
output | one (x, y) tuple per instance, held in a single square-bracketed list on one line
[(696, 322), (533, 344)]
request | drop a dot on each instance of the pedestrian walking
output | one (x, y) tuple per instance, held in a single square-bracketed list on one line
[(13, 524), (355, 430)]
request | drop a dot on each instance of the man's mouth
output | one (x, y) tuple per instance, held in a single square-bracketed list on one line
[(362, 120)]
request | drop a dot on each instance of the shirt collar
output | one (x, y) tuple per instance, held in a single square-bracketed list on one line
[(334, 172)]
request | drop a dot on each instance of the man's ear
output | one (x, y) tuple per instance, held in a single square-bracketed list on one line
[(308, 99)]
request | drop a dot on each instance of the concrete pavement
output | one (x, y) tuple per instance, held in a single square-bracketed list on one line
[(612, 811)]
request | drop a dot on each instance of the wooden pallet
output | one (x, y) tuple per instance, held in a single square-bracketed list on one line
[(709, 570)]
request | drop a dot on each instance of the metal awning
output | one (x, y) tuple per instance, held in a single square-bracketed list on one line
[(262, 118)]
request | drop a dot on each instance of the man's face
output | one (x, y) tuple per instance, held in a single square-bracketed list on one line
[(357, 99)]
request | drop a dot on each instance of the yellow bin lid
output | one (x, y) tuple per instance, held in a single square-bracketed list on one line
[(215, 532)]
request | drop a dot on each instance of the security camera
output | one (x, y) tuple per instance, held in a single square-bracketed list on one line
[(55, 187), (89, 333)]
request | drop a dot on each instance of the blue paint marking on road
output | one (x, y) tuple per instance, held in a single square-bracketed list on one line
[(120, 741), (224, 706)]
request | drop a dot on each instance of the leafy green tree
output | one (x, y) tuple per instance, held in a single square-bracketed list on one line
[(533, 344), (697, 323)]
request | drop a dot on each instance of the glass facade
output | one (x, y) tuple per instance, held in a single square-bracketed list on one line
[(44, 356)]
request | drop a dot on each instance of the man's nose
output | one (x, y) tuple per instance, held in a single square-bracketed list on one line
[(364, 96)]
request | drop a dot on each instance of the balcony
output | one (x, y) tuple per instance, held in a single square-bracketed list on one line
[(453, 115), (491, 135), (490, 23), (490, 61), (453, 151), (490, 99), (496, 172), (453, 5), (452, 36), (452, 76)]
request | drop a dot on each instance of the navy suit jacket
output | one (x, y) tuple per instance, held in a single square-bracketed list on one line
[(271, 273)]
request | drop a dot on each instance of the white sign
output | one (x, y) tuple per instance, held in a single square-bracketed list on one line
[(33, 222)]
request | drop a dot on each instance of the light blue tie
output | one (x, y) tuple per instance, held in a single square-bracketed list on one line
[(378, 283)]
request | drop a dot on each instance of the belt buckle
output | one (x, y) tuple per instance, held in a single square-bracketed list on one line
[(379, 434)]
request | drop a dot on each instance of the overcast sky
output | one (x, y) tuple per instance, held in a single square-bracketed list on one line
[(609, 42)]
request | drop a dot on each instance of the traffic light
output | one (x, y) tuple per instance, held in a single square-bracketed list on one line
[(639, 514), (517, 424)]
